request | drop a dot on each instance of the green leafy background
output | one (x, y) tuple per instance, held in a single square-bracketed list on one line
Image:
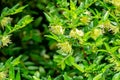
[(33, 53)]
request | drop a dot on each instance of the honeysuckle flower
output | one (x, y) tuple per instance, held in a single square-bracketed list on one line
[(96, 33), (57, 30), (65, 47), (5, 40), (5, 21), (76, 33)]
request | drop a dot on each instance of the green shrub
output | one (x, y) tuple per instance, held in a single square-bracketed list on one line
[(7, 70), (87, 35)]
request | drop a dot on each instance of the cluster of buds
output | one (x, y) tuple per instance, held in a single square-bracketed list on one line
[(3, 75), (75, 33), (109, 27), (96, 33), (5, 40), (116, 3), (65, 47), (5, 21), (57, 30), (85, 18)]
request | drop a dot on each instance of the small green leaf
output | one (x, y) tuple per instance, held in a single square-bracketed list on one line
[(62, 65), (4, 12), (18, 75), (99, 77), (16, 9), (79, 67), (58, 58), (72, 5), (66, 77), (69, 61), (116, 76), (105, 17), (48, 17), (16, 61), (49, 78), (11, 73), (113, 49), (53, 36), (107, 46), (24, 21), (8, 62)]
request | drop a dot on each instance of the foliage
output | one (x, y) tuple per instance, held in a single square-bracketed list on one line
[(81, 41), (86, 33)]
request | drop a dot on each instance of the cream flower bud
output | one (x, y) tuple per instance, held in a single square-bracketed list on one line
[(85, 20), (96, 33), (5, 40), (5, 21), (116, 3), (3, 75), (65, 47), (57, 29), (75, 33), (114, 29), (79, 32)]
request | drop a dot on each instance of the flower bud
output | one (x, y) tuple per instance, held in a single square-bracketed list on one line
[(5, 40), (5, 21), (96, 33), (85, 20), (116, 3), (3, 75), (65, 47), (57, 30), (75, 33)]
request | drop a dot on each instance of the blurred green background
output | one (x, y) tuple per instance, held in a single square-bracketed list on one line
[(30, 42)]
